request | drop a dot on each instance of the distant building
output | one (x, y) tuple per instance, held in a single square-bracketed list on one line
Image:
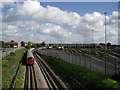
[(60, 48), (49, 47), (99, 46), (13, 44), (25, 44)]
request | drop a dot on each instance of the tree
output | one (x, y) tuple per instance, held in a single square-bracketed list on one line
[(101, 44), (108, 44), (43, 44), (22, 43), (12, 41), (29, 45), (2, 44), (34, 45)]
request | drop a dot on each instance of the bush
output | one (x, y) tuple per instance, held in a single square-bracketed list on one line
[(12, 53), (109, 83)]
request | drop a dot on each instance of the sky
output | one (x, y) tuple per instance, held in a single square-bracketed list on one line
[(59, 22)]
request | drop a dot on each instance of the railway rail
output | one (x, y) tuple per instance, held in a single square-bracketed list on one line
[(30, 79), (12, 86), (53, 81), (15, 78), (69, 77)]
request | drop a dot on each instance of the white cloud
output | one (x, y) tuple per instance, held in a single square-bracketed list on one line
[(61, 25), (53, 30)]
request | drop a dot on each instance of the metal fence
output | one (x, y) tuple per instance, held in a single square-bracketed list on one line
[(112, 66)]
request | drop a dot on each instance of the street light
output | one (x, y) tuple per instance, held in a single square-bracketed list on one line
[(92, 36), (105, 42)]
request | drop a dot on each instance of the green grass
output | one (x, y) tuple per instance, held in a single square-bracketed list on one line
[(20, 77), (9, 64), (86, 77), (0, 73)]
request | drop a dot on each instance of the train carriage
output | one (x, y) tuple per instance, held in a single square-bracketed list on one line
[(30, 58)]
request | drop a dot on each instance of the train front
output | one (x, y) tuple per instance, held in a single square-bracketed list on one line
[(30, 57)]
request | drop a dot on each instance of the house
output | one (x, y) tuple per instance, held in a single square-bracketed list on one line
[(14, 44), (25, 44), (97, 46), (49, 47)]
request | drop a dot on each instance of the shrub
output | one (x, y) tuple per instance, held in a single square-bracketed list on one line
[(12, 53), (109, 83)]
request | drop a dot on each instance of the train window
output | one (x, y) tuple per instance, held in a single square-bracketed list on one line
[(30, 59)]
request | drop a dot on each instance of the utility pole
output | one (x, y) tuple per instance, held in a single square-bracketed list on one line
[(92, 36), (105, 42)]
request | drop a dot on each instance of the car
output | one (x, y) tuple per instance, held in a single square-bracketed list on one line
[(4, 50)]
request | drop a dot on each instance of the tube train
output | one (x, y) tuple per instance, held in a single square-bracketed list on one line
[(30, 58)]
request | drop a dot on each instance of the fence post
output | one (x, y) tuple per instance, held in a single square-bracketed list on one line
[(115, 67), (76, 59), (79, 59), (72, 58), (84, 60), (90, 62), (69, 56), (97, 64)]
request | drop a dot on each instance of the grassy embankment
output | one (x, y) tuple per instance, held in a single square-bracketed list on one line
[(9, 68), (86, 77)]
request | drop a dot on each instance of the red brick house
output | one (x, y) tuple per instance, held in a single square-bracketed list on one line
[(13, 44)]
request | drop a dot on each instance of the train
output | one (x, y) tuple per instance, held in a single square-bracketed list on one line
[(30, 57)]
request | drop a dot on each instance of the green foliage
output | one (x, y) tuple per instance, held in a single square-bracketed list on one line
[(34, 45), (12, 41), (108, 44), (86, 77), (2, 44), (43, 44), (22, 43), (20, 78), (10, 63), (109, 83), (12, 53), (101, 44), (29, 45)]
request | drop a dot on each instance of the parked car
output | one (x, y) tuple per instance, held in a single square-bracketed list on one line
[(4, 50)]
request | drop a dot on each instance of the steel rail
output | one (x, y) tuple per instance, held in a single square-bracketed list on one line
[(54, 81)]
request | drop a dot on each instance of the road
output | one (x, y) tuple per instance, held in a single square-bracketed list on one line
[(7, 52)]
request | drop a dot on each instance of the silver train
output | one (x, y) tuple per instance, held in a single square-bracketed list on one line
[(30, 57)]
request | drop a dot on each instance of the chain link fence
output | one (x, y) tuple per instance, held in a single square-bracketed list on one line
[(112, 66)]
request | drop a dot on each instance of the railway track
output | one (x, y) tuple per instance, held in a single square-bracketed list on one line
[(53, 81), (30, 79)]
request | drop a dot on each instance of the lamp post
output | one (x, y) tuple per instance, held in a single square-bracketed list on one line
[(105, 42), (92, 36)]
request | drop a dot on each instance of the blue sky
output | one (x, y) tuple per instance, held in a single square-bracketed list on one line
[(81, 7), (85, 7)]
